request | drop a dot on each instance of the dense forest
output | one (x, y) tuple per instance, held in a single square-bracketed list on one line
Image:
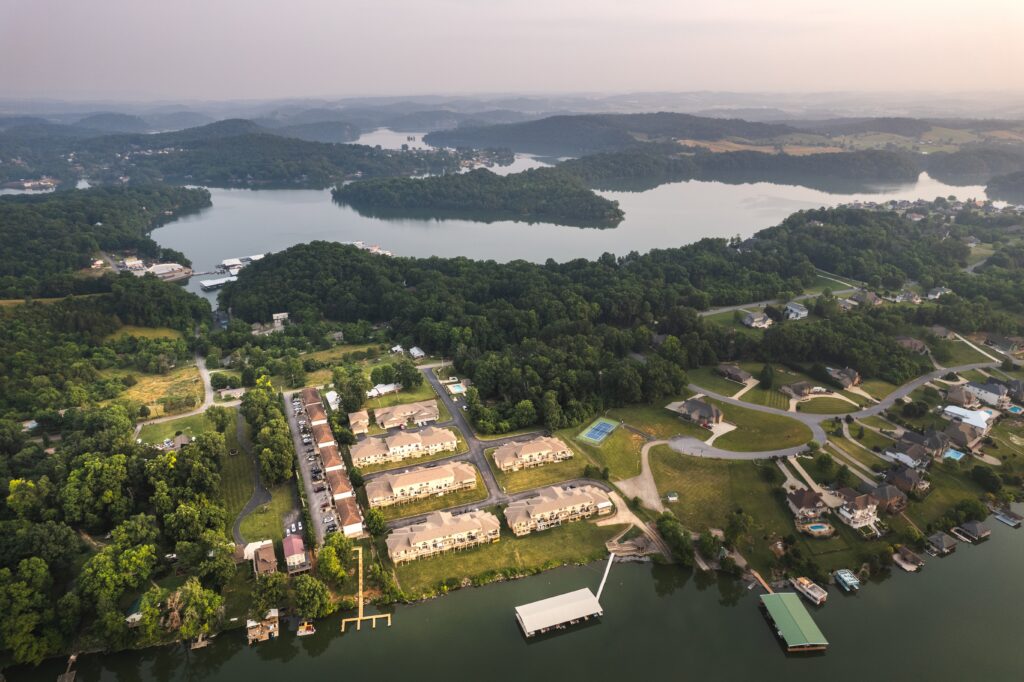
[(48, 237), (1009, 187), (544, 194)]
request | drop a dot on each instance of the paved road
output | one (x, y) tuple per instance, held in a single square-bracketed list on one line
[(315, 500), (260, 494), (760, 304)]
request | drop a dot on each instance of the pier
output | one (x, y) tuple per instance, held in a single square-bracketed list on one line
[(211, 284), (358, 620), (563, 610), (792, 622)]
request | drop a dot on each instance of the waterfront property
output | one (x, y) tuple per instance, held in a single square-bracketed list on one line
[(398, 416), (810, 589), (532, 453), (792, 622), (296, 558), (403, 445), (941, 543), (261, 630), (976, 531), (398, 488), (558, 612), (553, 506), (442, 532), (262, 556), (910, 481), (806, 505), (350, 518), (859, 510)]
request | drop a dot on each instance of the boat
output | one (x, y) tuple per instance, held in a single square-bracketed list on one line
[(907, 560), (846, 579), (807, 587), (306, 628)]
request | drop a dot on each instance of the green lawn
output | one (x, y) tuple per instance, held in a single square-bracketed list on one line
[(879, 423), (826, 405), (759, 430), (1008, 435), (857, 398), (499, 436), (145, 333), (416, 461), (707, 377), (574, 543), (821, 283), (620, 451), (974, 375), (429, 504), (871, 461), (871, 439), (236, 474), (267, 522), (877, 388), (192, 426), (959, 353), (238, 594), (729, 321), (656, 421), (947, 489), (549, 474), (768, 398)]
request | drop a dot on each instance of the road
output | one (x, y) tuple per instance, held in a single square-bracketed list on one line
[(260, 494), (204, 374), (303, 469)]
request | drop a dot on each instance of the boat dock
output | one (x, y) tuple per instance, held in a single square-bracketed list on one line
[(211, 284), (358, 620), (1011, 519), (563, 610), (959, 534), (792, 622), (907, 560)]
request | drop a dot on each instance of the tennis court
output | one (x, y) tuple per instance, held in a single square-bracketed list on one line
[(598, 431)]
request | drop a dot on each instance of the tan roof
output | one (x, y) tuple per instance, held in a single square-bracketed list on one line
[(432, 435), (330, 456), (360, 418), (367, 449), (310, 396), (402, 438), (425, 410), (440, 524), (265, 559), (386, 484), (553, 499), (510, 452), (339, 482)]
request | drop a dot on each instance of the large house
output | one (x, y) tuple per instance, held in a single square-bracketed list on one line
[(846, 377), (806, 505), (697, 411), (798, 389), (964, 436), (757, 321), (942, 332), (554, 506), (959, 395), (442, 532), (1003, 344), (359, 422), (991, 393), (403, 445), (420, 414), (941, 543), (910, 481), (733, 373), (532, 453), (405, 486), (263, 558), (866, 298), (938, 292), (979, 419), (296, 558), (909, 454), (912, 344), (795, 311), (890, 499), (859, 509)]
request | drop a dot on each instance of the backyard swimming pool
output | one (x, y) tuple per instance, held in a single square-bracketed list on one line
[(954, 455), (1015, 409)]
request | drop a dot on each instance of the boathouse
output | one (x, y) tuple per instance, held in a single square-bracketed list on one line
[(558, 612), (792, 622)]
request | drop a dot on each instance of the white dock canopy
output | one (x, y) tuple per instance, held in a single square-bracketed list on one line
[(545, 614)]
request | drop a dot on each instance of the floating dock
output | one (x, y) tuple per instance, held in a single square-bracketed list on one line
[(563, 610), (792, 623), (1011, 519), (211, 284)]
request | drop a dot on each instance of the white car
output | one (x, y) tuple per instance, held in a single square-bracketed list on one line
[(293, 527)]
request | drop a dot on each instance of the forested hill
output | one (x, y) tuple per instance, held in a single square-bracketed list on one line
[(1008, 187), (545, 194), (49, 236), (576, 135)]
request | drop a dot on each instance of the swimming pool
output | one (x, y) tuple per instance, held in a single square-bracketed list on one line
[(1015, 409), (817, 527), (954, 455)]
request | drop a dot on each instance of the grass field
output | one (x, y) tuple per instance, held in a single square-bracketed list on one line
[(959, 353), (620, 451), (857, 398), (871, 438), (549, 474), (767, 397), (236, 474), (826, 405), (821, 283), (191, 426), (574, 543), (879, 423), (729, 321), (871, 461), (406, 463), (974, 375), (707, 377), (760, 431), (146, 332), (267, 521), (877, 388), (429, 504), (656, 421), (150, 388), (947, 489)]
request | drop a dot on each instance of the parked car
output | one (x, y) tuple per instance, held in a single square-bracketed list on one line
[(319, 488)]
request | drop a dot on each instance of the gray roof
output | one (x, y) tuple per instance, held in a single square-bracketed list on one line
[(557, 610)]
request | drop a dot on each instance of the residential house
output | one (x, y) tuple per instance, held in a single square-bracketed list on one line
[(317, 414), (757, 320), (296, 558), (383, 389), (262, 630), (264, 560), (846, 377), (798, 389), (554, 506), (909, 480), (398, 416), (942, 333), (442, 532), (960, 396), (398, 488), (975, 530), (310, 396), (398, 350), (339, 484), (1003, 344), (417, 353), (859, 510), (532, 453), (941, 543), (890, 499), (866, 298), (907, 296), (909, 454), (913, 345), (933, 442), (806, 505), (323, 436), (795, 311), (350, 518), (938, 292), (230, 393), (1015, 387), (980, 419), (733, 373), (697, 411), (964, 436), (359, 422), (403, 445), (991, 393)]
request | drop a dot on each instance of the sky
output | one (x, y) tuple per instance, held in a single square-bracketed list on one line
[(263, 49)]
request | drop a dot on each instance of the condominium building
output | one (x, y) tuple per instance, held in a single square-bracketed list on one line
[(323, 436), (359, 422), (420, 414), (404, 486), (531, 453), (403, 445), (554, 506), (331, 458), (442, 532)]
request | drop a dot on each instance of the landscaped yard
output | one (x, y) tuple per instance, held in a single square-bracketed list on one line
[(549, 474), (574, 543), (959, 353), (868, 459), (190, 426), (947, 489), (179, 384), (767, 397), (871, 438), (433, 503), (826, 405), (728, 320), (236, 474), (267, 521), (877, 388), (620, 451), (760, 430), (406, 463), (658, 422), (709, 378)]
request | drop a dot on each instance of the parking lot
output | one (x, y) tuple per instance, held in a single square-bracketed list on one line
[(310, 469)]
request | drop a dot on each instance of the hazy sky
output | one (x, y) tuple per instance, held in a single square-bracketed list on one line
[(220, 49)]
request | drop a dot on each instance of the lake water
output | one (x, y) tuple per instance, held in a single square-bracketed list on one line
[(959, 619)]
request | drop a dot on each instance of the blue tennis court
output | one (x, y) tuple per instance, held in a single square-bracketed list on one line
[(598, 431)]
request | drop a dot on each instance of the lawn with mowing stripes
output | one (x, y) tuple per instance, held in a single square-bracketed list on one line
[(534, 477), (878, 389), (236, 474), (768, 398), (658, 422), (826, 405), (759, 430), (709, 378)]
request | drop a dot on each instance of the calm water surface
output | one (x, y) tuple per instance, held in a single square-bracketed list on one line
[(961, 618)]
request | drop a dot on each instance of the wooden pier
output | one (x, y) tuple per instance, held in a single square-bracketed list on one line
[(358, 620)]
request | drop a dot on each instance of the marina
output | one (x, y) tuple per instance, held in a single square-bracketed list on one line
[(211, 284)]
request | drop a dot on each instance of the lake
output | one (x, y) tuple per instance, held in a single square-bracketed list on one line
[(958, 619)]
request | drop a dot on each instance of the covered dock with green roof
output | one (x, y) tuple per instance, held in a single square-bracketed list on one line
[(793, 623)]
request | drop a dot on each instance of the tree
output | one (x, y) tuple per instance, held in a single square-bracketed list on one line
[(334, 558), (708, 544), (375, 523), (738, 527), (220, 417), (676, 537), (552, 412), (766, 378), (312, 598), (148, 629), (986, 478), (200, 609), (268, 593), (525, 414)]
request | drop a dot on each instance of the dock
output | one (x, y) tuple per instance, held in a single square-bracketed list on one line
[(563, 610), (211, 284), (358, 620), (792, 622), (1011, 519)]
